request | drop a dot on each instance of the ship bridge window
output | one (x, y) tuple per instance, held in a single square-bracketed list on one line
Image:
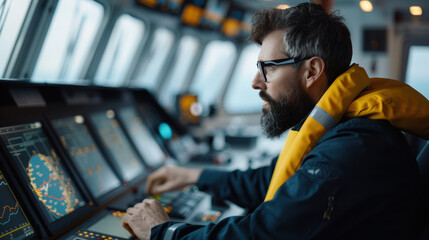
[(69, 41), (212, 72), (186, 53), (154, 61), (12, 16), (416, 72), (240, 96), (122, 48)]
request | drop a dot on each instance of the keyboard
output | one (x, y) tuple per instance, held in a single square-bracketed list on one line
[(179, 205), (183, 206)]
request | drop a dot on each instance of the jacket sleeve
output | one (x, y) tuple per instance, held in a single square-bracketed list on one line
[(247, 189), (299, 207)]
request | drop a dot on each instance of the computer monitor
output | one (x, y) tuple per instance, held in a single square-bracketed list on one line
[(85, 154), (111, 224), (13, 221), (177, 141), (159, 120), (42, 170), (117, 146), (142, 137)]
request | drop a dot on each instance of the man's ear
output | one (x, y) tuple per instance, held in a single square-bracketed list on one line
[(315, 69)]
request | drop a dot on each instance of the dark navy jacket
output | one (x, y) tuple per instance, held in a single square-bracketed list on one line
[(359, 182)]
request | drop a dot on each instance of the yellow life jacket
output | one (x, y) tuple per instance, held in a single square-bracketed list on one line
[(352, 94)]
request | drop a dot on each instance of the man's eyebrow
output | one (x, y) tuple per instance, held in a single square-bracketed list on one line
[(263, 58)]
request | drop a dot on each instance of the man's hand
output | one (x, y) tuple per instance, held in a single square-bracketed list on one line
[(169, 178), (140, 219)]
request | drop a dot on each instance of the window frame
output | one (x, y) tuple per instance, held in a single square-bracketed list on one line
[(95, 62), (164, 84), (97, 39), (37, 30), (416, 40), (136, 71), (19, 43), (419, 41), (91, 50), (243, 47), (210, 37)]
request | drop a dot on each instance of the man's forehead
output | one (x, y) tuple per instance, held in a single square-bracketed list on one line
[(272, 46)]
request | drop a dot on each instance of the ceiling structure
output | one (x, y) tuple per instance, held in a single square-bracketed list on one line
[(392, 4)]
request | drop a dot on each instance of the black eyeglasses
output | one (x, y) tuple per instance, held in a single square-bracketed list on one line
[(284, 61)]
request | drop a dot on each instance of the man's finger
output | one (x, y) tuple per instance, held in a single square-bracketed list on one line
[(128, 228), (167, 186), (152, 180), (125, 220), (158, 173), (138, 206), (131, 211)]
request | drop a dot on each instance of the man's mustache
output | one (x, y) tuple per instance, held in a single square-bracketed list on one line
[(264, 96)]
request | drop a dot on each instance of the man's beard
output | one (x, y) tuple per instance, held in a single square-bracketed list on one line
[(285, 113)]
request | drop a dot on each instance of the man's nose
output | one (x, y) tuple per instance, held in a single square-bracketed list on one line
[(258, 82)]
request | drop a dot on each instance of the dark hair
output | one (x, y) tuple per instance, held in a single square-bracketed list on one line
[(310, 31)]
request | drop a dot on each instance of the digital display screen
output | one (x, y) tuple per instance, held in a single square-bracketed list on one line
[(13, 222), (92, 166), (117, 145), (42, 169), (157, 122), (147, 146), (111, 224)]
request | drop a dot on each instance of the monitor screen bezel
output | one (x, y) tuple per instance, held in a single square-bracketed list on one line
[(146, 102), (97, 137), (149, 128), (23, 202), (63, 223), (113, 192), (144, 98)]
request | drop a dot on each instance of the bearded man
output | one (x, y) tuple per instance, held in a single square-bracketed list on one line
[(345, 171)]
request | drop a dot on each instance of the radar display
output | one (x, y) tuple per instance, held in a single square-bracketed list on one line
[(92, 166), (142, 137), (52, 186), (117, 145), (13, 222)]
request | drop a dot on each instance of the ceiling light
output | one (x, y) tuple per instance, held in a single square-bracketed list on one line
[(416, 10), (283, 6), (365, 5)]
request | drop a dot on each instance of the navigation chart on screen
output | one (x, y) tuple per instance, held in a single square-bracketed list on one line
[(51, 184), (13, 222), (92, 166), (117, 144)]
